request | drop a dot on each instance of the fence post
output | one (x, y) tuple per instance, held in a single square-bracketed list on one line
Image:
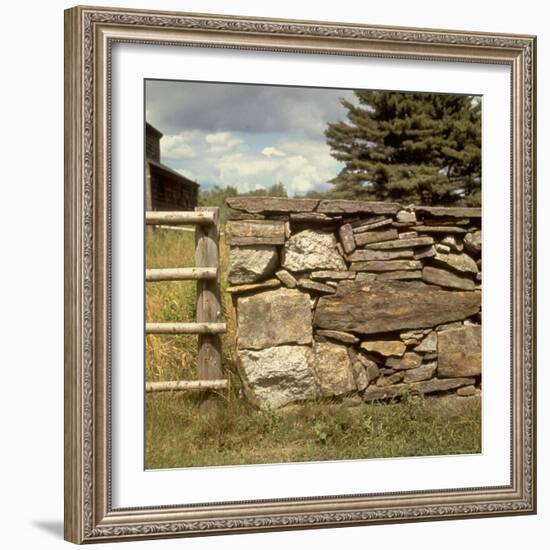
[(209, 310)]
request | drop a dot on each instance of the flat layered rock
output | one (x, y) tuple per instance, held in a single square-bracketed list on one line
[(399, 275), (312, 250), (401, 243), (332, 365), (459, 352), (440, 229), (388, 380), (444, 278), (277, 376), (286, 278), (375, 236), (449, 212), (362, 226), (410, 360), (345, 337), (310, 217), (414, 336), (316, 286), (357, 207), (332, 275), (272, 204), (408, 235), (253, 287), (424, 252), (389, 265), (274, 317), (386, 348), (466, 391), (457, 262), (425, 372), (251, 264), (373, 393), (371, 307), (253, 232), (428, 344), (365, 255), (346, 238)]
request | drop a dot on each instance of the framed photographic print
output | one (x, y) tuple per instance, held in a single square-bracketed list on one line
[(275, 311)]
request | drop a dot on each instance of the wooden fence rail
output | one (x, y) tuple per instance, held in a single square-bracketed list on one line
[(181, 273), (209, 320)]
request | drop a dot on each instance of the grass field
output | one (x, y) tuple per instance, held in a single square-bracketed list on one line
[(177, 436)]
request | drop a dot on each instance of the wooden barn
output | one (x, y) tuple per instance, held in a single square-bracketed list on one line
[(165, 189)]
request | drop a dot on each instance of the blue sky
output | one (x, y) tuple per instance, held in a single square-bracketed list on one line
[(248, 136)]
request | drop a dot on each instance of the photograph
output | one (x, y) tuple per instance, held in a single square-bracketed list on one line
[(313, 274)]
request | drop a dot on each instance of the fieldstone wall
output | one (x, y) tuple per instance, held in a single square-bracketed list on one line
[(354, 300)]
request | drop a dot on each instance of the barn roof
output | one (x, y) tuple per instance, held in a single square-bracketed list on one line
[(168, 172)]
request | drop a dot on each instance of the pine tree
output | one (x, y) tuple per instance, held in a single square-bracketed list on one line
[(409, 147)]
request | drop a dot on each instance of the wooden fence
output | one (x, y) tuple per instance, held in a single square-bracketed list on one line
[(209, 322)]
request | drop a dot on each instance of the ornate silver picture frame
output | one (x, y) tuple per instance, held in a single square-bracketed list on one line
[(90, 36)]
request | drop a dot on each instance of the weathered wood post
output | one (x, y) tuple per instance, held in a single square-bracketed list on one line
[(209, 310)]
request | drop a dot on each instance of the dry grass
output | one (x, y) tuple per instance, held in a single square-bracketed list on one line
[(174, 357)]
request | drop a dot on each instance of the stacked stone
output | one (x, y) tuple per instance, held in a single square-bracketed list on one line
[(354, 300)]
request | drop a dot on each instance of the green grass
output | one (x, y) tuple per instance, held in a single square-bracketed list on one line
[(178, 436)]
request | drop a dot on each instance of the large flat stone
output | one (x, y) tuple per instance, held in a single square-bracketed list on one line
[(250, 264), (442, 277), (252, 232), (449, 212), (333, 368), (272, 318), (371, 307), (277, 376), (459, 352), (311, 250), (272, 204), (341, 206)]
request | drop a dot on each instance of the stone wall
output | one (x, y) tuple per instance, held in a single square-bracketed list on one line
[(354, 300)]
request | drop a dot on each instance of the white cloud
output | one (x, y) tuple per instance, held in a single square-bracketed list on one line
[(224, 158), (223, 142), (179, 146), (272, 152)]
